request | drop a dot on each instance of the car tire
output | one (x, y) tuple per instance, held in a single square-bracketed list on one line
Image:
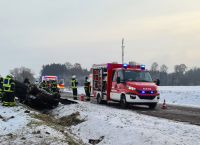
[(123, 102), (99, 99), (152, 106)]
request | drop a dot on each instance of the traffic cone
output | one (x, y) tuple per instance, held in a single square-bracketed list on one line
[(164, 106), (82, 98)]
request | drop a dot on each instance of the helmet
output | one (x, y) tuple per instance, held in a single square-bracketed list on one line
[(10, 76), (74, 76)]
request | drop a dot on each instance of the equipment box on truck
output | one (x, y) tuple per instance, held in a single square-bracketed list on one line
[(127, 84)]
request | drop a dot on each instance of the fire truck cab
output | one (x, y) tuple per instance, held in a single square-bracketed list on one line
[(127, 84)]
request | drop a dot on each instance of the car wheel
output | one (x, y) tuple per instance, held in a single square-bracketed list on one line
[(123, 102), (99, 100), (152, 106)]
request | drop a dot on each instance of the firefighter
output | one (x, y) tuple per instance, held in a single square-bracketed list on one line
[(27, 82), (74, 84), (9, 91), (87, 88), (43, 85), (1, 88), (54, 87)]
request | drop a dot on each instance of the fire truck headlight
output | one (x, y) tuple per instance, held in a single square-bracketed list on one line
[(131, 88)]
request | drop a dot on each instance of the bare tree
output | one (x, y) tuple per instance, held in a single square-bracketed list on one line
[(21, 73), (180, 68), (68, 65), (154, 67), (163, 68)]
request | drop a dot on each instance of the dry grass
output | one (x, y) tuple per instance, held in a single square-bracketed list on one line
[(59, 124), (70, 120)]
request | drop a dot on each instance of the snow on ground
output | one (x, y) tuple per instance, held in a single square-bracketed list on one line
[(125, 127), (12, 125), (177, 95), (181, 95), (119, 127), (80, 90), (22, 129)]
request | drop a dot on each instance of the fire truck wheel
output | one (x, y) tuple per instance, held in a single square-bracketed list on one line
[(99, 100), (123, 102), (152, 106)]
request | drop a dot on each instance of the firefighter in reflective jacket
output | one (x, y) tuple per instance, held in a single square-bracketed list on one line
[(43, 85), (9, 87), (74, 84), (1, 88), (87, 88), (54, 87)]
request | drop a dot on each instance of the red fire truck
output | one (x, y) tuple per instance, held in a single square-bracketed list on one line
[(127, 84)]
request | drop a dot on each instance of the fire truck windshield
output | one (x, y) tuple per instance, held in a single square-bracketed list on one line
[(138, 76)]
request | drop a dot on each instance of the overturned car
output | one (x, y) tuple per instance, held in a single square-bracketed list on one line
[(34, 96)]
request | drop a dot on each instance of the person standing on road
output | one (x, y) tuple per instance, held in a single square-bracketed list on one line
[(44, 85), (87, 88), (26, 81), (9, 88), (54, 87), (1, 88), (74, 84)]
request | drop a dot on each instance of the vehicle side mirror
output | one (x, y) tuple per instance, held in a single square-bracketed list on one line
[(118, 80), (157, 82)]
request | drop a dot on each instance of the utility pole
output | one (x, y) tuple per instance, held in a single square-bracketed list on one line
[(123, 50)]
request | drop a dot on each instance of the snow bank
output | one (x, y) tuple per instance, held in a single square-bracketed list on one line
[(22, 129), (125, 127), (15, 124), (181, 95)]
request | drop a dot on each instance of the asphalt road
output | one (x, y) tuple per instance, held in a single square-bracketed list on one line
[(173, 112)]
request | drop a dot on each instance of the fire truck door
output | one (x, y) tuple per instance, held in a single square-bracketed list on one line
[(114, 90)]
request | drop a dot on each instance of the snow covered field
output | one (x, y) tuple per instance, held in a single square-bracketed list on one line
[(181, 95), (125, 127), (177, 95), (117, 126), (18, 127)]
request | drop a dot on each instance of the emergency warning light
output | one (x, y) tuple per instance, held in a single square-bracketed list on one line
[(125, 66), (152, 92), (143, 92), (142, 67)]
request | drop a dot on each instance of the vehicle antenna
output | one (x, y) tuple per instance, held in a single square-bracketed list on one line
[(123, 50)]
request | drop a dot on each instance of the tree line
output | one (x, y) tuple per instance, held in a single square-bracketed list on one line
[(65, 71), (181, 76)]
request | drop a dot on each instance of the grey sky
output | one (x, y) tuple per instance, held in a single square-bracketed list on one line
[(37, 32)]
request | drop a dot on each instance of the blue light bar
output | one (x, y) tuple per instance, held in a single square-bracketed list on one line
[(125, 66), (142, 67), (143, 92)]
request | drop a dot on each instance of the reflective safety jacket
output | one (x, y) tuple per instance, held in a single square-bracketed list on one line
[(1, 84), (86, 84), (8, 85), (43, 85), (74, 83), (54, 85)]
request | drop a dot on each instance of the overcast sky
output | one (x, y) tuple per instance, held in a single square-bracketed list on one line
[(37, 32)]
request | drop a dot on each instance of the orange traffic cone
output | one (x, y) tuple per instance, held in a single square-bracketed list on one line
[(82, 98), (164, 106)]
